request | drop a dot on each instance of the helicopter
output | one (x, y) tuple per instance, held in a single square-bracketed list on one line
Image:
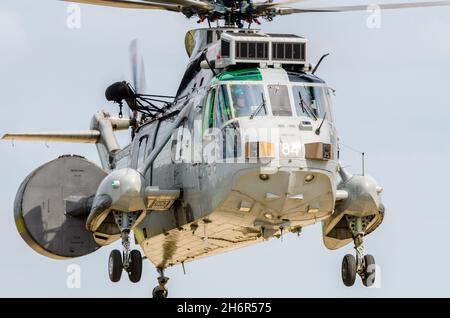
[(245, 151)]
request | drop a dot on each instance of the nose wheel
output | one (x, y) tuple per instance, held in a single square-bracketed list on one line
[(362, 265), (161, 291), (128, 261)]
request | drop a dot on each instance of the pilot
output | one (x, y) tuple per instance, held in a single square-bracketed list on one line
[(314, 107), (240, 102)]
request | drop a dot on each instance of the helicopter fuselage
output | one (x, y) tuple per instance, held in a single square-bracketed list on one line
[(247, 151), (243, 179)]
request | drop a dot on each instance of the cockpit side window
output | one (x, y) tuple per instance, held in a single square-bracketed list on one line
[(212, 101), (279, 99), (222, 110), (208, 117), (311, 101), (224, 104), (217, 116), (247, 98), (330, 116)]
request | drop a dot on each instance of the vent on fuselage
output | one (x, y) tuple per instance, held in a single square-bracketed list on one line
[(252, 50), (288, 51)]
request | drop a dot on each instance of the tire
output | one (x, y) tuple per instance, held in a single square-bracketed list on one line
[(160, 293), (135, 271), (369, 270), (115, 266), (348, 270)]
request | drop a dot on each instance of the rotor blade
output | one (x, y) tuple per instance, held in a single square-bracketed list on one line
[(199, 4), (270, 4), (285, 11), (84, 136), (137, 68), (134, 64), (138, 74), (130, 4), (142, 79), (172, 5)]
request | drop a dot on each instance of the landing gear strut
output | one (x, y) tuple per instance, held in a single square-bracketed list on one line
[(130, 261), (363, 265), (161, 291)]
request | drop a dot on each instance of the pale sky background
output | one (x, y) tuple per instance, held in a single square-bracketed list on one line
[(392, 102)]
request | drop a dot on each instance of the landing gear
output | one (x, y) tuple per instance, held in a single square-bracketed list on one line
[(115, 266), (369, 270), (363, 265), (135, 267), (130, 261), (349, 270), (161, 291)]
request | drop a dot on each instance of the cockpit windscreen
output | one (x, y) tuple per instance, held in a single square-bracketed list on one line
[(247, 98)]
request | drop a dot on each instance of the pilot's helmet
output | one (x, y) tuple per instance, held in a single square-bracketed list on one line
[(238, 92), (239, 96)]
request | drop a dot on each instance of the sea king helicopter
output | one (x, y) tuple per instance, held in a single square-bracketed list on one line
[(246, 150)]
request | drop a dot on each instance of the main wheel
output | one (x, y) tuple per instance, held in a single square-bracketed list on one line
[(369, 270), (115, 266), (135, 271), (349, 270)]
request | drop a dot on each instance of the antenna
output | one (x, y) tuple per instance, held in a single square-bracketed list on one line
[(320, 62), (362, 153)]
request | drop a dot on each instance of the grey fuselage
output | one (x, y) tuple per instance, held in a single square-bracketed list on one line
[(225, 204), (246, 152)]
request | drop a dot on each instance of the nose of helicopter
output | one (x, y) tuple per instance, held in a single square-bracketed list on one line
[(287, 193), (295, 169), (288, 138)]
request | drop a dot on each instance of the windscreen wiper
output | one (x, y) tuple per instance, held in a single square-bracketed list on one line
[(263, 104), (320, 127), (307, 107)]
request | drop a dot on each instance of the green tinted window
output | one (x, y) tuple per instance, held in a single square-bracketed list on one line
[(224, 104), (208, 111), (240, 75), (211, 109)]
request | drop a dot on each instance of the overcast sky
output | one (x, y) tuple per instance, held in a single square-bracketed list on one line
[(392, 102)]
